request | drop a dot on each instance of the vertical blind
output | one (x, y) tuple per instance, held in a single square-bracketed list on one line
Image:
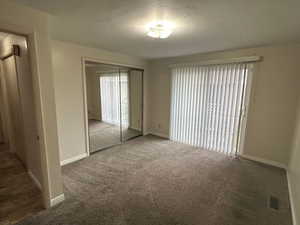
[(114, 98), (207, 103)]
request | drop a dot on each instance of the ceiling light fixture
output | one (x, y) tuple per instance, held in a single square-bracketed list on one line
[(160, 29)]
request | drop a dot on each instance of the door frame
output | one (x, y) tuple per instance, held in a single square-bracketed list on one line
[(84, 94)]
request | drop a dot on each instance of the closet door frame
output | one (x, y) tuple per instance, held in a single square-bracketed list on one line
[(84, 94), (142, 97)]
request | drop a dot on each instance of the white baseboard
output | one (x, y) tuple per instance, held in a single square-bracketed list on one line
[(291, 194), (73, 159), (35, 180), (159, 134), (264, 161), (57, 200)]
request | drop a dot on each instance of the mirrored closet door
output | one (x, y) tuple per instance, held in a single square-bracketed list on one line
[(132, 104), (114, 103)]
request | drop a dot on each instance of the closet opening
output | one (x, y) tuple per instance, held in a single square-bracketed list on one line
[(114, 104)]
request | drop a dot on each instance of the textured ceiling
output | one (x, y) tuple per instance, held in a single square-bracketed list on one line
[(200, 25)]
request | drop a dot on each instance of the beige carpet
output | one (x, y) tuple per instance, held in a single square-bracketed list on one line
[(152, 181)]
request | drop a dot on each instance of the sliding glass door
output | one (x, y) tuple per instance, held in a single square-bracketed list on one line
[(207, 105)]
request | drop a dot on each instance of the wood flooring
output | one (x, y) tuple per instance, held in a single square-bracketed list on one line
[(19, 196)]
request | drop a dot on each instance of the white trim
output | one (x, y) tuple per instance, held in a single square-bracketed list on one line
[(44, 156), (73, 159), (91, 59), (264, 161), (159, 134), (35, 180), (292, 203), (85, 108), (221, 61), (58, 199)]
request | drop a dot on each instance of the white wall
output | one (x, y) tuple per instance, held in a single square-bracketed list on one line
[(272, 107), (67, 65), (34, 24), (11, 92)]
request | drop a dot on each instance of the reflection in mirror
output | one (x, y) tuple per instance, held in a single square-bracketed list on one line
[(131, 102), (114, 103), (103, 98)]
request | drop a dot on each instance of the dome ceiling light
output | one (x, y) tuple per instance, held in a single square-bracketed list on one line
[(160, 29)]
